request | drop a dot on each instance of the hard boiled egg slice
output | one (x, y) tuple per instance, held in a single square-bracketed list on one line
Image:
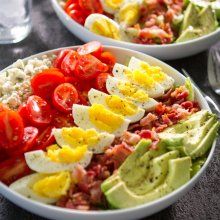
[(111, 6), (43, 188), (102, 25), (116, 104), (139, 78), (153, 71), (99, 118), (75, 136), (127, 90), (57, 159)]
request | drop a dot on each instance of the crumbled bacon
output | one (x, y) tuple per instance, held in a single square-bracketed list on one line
[(130, 138)]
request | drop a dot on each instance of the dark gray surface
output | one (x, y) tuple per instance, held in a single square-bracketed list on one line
[(203, 202)]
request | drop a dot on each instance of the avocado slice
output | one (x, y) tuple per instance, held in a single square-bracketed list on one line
[(189, 87), (189, 34), (196, 165), (121, 196)]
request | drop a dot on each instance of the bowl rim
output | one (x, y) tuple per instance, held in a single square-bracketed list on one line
[(8, 193), (57, 6)]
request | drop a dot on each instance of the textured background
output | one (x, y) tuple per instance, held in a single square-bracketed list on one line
[(203, 201)]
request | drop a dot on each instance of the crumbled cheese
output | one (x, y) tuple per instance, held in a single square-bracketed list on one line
[(15, 82)]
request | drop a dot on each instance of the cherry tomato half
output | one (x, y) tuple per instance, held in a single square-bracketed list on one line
[(88, 67), (100, 82), (94, 47), (44, 83), (64, 96), (108, 58), (61, 120), (69, 62), (45, 138), (22, 110), (13, 169), (39, 111), (59, 59), (91, 6), (11, 129)]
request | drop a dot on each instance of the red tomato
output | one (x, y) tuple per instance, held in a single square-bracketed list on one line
[(11, 129), (44, 83), (100, 82), (62, 120), (68, 64), (91, 6), (39, 111), (78, 15), (22, 110), (83, 98), (45, 138), (70, 2), (94, 47), (88, 67), (108, 58), (64, 96), (59, 59), (3, 107), (29, 141), (13, 169)]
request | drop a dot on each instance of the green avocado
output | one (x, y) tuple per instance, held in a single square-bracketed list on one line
[(197, 21), (194, 136), (189, 87), (122, 196)]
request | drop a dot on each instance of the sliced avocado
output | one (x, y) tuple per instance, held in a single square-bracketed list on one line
[(190, 17), (120, 196), (207, 19), (189, 34), (206, 142), (189, 87), (110, 182), (157, 173), (138, 160), (196, 166)]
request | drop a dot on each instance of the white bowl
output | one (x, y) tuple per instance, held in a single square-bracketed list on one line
[(53, 212), (164, 52)]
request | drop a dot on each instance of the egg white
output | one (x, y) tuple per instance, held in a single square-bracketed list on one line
[(108, 9), (154, 92), (98, 97), (104, 140), (135, 63), (39, 162), (82, 119), (112, 88), (23, 187)]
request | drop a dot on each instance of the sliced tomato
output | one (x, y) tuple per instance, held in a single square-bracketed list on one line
[(3, 107), (108, 58), (44, 83), (83, 98), (60, 56), (13, 169), (88, 67), (94, 47), (29, 141), (61, 120), (91, 6), (78, 15), (39, 111), (68, 64), (11, 129), (64, 96), (69, 3), (22, 110), (100, 82), (45, 138)]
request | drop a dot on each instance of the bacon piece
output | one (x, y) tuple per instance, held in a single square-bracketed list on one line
[(130, 138), (147, 120)]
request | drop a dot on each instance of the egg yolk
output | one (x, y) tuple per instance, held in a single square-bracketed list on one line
[(105, 28), (53, 186), (142, 79), (120, 106), (113, 4), (66, 154), (128, 90), (129, 13), (77, 136), (104, 119), (154, 71)]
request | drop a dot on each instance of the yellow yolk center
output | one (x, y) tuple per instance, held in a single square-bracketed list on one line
[(130, 91), (66, 154), (113, 4), (120, 106), (105, 28), (154, 71), (143, 79), (53, 186), (77, 136), (104, 119)]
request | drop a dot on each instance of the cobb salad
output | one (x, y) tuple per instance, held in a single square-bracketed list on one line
[(146, 21), (88, 133)]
